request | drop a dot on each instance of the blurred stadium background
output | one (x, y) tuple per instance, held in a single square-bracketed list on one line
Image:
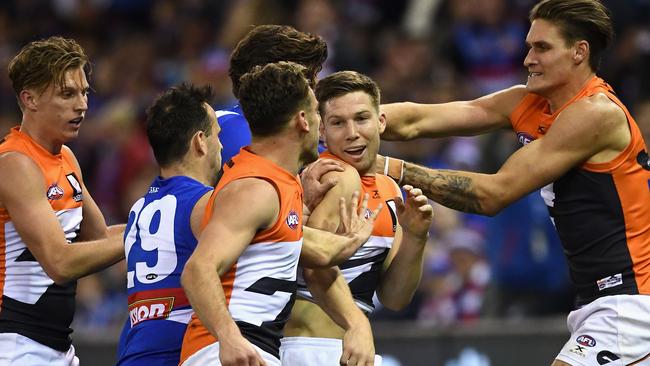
[(495, 290)]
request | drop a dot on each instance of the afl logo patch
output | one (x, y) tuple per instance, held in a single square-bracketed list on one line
[(293, 220), (524, 138), (54, 192), (585, 340)]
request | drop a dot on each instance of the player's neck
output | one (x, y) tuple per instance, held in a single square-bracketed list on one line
[(566, 92), (182, 169), (284, 152), (41, 136)]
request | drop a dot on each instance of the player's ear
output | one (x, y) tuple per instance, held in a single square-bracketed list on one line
[(199, 143), (301, 121), (28, 99), (382, 122), (581, 52)]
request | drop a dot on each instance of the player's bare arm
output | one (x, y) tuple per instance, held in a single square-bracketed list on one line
[(317, 252), (197, 213), (316, 181), (21, 193), (403, 266), (227, 234), (407, 121), (593, 129), (93, 225), (328, 286)]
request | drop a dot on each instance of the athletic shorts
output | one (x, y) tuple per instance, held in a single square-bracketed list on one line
[(209, 355), (610, 331), (18, 350), (311, 351)]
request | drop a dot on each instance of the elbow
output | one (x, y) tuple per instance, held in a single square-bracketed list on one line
[(394, 303), (187, 274), (317, 259), (60, 275)]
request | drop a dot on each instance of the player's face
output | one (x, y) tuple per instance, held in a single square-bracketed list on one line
[(549, 60), (60, 109), (214, 146), (351, 127)]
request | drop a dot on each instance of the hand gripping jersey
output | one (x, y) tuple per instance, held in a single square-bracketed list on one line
[(32, 304), (601, 211), (158, 241), (260, 287), (363, 270)]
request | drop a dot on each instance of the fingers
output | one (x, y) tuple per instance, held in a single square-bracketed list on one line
[(343, 361), (328, 184), (343, 212), (364, 203), (322, 167)]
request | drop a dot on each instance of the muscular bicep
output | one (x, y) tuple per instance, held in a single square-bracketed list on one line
[(578, 134), (233, 224), (326, 215)]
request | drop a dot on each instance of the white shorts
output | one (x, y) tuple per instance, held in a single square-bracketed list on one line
[(209, 355), (610, 331), (18, 350), (311, 351)]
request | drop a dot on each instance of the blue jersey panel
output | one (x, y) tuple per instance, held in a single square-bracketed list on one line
[(158, 241), (235, 132)]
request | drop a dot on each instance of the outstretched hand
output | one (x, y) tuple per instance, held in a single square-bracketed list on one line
[(359, 221), (414, 215), (314, 190)]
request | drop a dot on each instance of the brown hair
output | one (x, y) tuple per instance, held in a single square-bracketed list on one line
[(273, 43), (587, 20), (344, 82), (269, 95), (41, 63)]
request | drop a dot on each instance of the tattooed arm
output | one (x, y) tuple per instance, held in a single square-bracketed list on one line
[(577, 136)]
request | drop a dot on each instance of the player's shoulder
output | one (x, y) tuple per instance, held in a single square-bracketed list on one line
[(597, 109)]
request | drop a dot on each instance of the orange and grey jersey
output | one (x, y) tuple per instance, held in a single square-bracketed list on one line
[(601, 211), (32, 304), (260, 287), (364, 269)]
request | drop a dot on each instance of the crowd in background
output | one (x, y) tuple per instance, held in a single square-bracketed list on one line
[(428, 51)]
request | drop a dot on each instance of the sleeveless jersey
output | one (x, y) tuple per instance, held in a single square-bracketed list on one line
[(32, 304), (601, 211), (260, 287), (158, 241), (363, 270)]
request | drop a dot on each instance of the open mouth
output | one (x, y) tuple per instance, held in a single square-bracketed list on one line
[(77, 121), (355, 151), (534, 74)]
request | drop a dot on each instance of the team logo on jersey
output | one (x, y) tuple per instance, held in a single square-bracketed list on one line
[(585, 340), (643, 159), (524, 138), (293, 220), (578, 350), (150, 309), (605, 357), (54, 192), (76, 187)]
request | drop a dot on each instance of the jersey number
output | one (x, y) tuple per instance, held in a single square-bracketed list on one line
[(159, 244)]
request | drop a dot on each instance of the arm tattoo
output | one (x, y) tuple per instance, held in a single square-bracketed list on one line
[(446, 187)]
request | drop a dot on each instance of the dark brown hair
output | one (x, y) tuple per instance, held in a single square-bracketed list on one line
[(587, 20), (273, 43), (269, 95), (344, 82)]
